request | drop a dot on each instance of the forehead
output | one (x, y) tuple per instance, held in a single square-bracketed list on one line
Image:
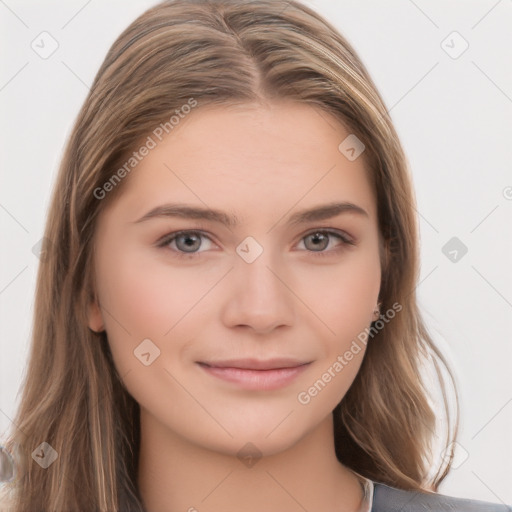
[(249, 157)]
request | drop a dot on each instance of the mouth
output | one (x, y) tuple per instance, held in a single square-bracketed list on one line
[(256, 364), (253, 374)]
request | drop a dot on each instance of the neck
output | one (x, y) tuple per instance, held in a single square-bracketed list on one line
[(176, 475)]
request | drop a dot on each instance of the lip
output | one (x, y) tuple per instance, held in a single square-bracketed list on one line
[(256, 364), (253, 374)]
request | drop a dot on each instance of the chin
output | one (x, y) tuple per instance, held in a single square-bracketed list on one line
[(249, 441)]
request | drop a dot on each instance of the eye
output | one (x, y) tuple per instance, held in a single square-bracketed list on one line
[(187, 243), (319, 240)]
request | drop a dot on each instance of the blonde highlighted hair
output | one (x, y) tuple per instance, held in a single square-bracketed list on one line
[(217, 52)]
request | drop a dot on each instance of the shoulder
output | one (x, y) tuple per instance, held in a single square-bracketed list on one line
[(389, 499)]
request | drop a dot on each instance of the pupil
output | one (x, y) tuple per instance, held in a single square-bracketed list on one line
[(318, 238), (189, 240)]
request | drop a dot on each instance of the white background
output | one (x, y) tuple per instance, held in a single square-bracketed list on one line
[(453, 116)]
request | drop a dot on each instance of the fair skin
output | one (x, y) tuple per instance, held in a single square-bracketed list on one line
[(198, 300)]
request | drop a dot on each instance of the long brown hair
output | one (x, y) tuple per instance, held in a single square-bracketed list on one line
[(214, 53)]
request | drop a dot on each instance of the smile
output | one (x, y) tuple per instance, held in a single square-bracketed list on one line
[(256, 379)]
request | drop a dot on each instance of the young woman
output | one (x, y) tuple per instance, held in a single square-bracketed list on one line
[(226, 316)]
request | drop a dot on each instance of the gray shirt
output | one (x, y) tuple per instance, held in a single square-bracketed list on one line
[(379, 497)]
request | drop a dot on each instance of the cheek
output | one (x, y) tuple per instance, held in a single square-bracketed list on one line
[(143, 298), (342, 296), (149, 296)]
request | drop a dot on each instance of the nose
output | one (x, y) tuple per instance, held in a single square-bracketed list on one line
[(259, 296)]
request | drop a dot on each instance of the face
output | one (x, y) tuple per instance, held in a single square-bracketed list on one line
[(220, 330)]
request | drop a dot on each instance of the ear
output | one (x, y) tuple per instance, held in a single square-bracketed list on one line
[(95, 317)]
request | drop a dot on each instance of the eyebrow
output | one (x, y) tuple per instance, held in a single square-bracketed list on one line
[(316, 213)]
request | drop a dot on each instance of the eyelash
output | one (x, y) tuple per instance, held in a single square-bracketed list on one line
[(167, 239)]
